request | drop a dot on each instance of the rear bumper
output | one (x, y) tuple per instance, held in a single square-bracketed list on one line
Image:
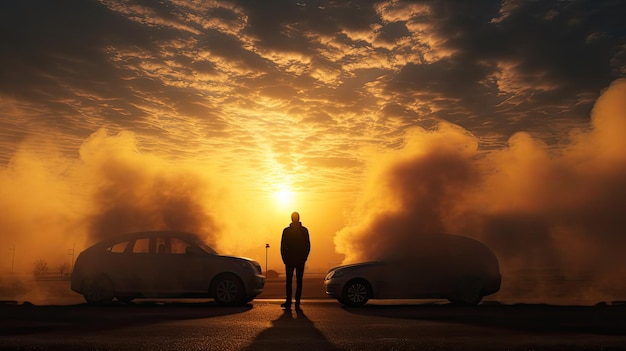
[(76, 283), (492, 285)]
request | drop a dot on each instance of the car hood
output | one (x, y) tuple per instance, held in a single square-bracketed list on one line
[(238, 258), (356, 265)]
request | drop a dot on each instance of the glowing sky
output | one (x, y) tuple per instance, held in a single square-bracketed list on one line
[(274, 106)]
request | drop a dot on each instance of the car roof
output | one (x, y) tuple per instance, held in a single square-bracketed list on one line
[(134, 235)]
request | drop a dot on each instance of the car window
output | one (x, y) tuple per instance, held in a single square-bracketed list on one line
[(179, 247), (206, 248), (142, 246), (118, 247), (162, 245)]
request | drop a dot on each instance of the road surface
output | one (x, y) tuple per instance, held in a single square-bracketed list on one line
[(48, 315), (323, 325)]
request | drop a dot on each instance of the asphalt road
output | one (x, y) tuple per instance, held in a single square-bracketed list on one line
[(50, 317), (323, 325)]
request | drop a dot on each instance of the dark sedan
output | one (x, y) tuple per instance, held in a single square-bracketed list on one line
[(452, 267), (163, 264)]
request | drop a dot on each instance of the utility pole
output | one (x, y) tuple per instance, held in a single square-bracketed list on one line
[(267, 246), (71, 253), (12, 248)]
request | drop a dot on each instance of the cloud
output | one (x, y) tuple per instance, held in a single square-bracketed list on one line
[(127, 65), (135, 192), (36, 206), (51, 202), (537, 207)]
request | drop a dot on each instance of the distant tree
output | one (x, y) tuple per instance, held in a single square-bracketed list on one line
[(63, 268), (41, 267)]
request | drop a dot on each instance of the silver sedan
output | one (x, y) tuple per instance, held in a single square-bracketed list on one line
[(163, 264), (456, 268)]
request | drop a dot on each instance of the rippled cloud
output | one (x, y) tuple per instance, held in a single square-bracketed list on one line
[(298, 92)]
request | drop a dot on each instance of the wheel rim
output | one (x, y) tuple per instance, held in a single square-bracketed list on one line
[(226, 291), (357, 293)]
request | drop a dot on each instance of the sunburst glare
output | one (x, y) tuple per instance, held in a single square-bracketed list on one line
[(284, 197)]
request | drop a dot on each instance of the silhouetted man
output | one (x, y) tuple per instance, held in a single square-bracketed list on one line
[(294, 249)]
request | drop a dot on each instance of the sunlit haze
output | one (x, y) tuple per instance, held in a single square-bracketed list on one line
[(284, 198), (378, 121)]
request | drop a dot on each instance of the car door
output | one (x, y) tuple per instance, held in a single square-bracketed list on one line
[(404, 278), (433, 269), (119, 266), (420, 275), (142, 265), (181, 265)]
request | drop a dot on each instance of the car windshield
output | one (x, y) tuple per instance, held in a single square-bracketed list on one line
[(205, 247)]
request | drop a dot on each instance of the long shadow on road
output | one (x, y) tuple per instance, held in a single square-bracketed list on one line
[(602, 319), (27, 319), (291, 332)]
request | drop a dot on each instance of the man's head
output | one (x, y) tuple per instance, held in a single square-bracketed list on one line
[(295, 217)]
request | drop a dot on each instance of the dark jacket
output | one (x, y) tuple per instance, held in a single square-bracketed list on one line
[(295, 245)]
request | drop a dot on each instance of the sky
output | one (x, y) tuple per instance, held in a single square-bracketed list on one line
[(379, 121)]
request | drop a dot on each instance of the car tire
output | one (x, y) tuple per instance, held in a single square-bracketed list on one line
[(227, 289), (98, 290), (356, 293), (468, 292)]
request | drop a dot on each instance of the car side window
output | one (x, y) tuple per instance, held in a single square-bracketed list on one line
[(142, 246), (118, 247), (179, 247), (162, 245)]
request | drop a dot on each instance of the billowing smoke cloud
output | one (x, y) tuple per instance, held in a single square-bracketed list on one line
[(540, 209), (134, 192), (36, 207), (51, 202)]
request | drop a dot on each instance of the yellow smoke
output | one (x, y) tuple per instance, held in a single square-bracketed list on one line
[(51, 203)]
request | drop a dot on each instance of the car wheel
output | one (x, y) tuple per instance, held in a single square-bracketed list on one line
[(228, 290), (468, 292), (356, 293), (98, 290)]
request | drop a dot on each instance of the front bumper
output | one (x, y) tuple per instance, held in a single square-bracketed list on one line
[(256, 285), (332, 288)]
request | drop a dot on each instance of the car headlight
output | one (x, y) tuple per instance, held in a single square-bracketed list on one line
[(257, 267), (335, 274)]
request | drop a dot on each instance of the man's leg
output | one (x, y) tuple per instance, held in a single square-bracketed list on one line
[(299, 277), (288, 282)]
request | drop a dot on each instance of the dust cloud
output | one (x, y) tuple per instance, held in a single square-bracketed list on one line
[(131, 191), (53, 205), (554, 217)]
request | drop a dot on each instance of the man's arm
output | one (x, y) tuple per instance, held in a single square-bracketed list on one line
[(308, 243), (283, 248)]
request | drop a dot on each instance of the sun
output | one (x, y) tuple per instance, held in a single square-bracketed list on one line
[(284, 197)]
